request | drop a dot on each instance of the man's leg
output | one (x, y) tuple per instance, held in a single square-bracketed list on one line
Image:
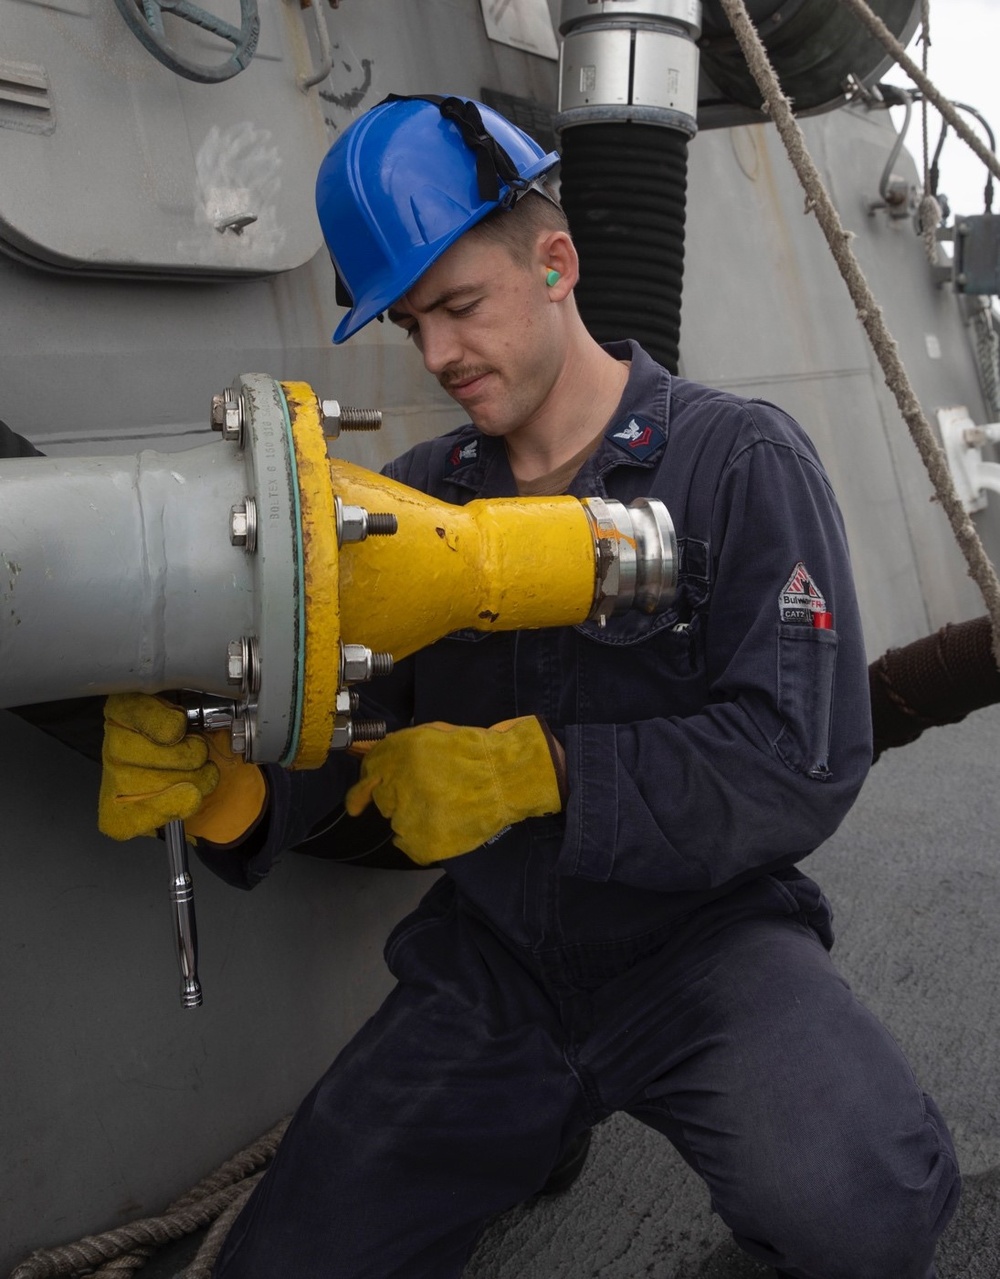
[(452, 1104), (784, 1093)]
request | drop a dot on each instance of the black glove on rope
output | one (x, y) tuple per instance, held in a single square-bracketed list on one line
[(935, 680)]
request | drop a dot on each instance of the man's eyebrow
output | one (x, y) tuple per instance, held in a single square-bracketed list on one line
[(449, 295)]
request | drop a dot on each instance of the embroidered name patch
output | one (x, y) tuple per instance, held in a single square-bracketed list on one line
[(637, 436)]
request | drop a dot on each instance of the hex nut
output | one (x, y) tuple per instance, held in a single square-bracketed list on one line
[(235, 662), (331, 418), (352, 526), (343, 734), (218, 416), (357, 663), (238, 525), (239, 736), (231, 415)]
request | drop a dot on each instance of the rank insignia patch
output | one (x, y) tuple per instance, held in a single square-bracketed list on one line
[(463, 453), (637, 436)]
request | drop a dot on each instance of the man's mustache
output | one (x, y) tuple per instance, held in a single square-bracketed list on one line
[(455, 377)]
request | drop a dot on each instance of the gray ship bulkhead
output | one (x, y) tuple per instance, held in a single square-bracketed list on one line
[(115, 1098)]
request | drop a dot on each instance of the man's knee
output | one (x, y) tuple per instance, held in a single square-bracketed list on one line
[(860, 1215)]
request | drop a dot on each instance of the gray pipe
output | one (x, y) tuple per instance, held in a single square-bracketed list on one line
[(123, 574), (117, 573)]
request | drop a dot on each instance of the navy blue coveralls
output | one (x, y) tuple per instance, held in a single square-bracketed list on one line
[(653, 949)]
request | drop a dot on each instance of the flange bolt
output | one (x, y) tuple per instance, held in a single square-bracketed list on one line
[(354, 523), (243, 525), (227, 415), (358, 664), (339, 417)]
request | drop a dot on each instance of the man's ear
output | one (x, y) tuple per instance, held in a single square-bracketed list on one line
[(558, 263)]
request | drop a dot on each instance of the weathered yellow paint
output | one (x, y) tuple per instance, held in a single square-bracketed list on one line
[(496, 564), (322, 586)]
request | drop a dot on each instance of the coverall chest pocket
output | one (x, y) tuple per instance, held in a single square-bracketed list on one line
[(807, 667), (639, 667)]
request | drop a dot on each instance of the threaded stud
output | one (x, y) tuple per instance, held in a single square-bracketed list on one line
[(381, 664), (339, 417), (354, 419), (368, 730)]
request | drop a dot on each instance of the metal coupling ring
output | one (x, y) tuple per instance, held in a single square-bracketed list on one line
[(635, 551)]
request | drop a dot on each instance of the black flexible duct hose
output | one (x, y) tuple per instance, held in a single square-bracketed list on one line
[(624, 189)]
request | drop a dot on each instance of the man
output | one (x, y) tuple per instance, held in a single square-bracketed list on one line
[(618, 810)]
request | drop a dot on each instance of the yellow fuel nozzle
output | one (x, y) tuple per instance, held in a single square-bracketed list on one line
[(495, 564)]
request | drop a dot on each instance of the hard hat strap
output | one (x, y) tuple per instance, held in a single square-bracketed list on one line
[(493, 165)]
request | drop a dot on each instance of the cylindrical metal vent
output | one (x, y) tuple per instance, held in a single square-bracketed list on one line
[(629, 60)]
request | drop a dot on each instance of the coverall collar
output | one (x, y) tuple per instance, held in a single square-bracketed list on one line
[(635, 435)]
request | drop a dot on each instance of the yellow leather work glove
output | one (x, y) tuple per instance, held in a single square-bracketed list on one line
[(446, 789), (154, 772)]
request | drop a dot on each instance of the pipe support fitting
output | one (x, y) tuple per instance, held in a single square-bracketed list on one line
[(629, 60)]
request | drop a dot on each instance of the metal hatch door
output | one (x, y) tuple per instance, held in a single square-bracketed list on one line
[(113, 164)]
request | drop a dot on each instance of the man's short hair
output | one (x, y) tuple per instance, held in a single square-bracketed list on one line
[(518, 229)]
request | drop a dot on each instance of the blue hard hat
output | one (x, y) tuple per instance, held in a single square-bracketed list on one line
[(401, 185)]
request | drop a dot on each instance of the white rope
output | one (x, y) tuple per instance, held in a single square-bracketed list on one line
[(868, 310), (882, 33), (120, 1252)]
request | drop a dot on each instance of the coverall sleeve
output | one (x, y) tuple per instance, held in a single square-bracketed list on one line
[(765, 770)]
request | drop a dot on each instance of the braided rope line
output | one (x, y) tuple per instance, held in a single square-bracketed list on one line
[(929, 214), (125, 1266), (120, 1252), (925, 40), (987, 356), (929, 219), (201, 1266), (882, 33), (868, 310), (95, 1250)]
